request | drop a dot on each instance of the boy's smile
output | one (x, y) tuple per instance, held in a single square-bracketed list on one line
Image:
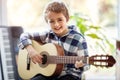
[(58, 23)]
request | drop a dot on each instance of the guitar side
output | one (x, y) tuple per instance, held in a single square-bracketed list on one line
[(45, 69)]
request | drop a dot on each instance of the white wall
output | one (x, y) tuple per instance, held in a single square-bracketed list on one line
[(118, 16), (3, 20), (118, 52), (3, 12)]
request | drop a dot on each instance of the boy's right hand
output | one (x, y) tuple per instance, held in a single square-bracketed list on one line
[(34, 55)]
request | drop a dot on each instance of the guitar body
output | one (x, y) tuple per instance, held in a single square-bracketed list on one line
[(44, 69)]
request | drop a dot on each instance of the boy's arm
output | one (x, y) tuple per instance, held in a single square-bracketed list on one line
[(26, 38), (83, 51), (26, 41)]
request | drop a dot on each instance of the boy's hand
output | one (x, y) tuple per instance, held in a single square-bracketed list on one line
[(34, 55), (79, 64)]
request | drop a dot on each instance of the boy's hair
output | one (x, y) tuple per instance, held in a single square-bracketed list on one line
[(57, 7)]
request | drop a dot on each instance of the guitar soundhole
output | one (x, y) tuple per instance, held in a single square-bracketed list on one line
[(44, 59)]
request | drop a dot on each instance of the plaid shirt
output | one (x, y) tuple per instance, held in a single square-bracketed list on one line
[(73, 43)]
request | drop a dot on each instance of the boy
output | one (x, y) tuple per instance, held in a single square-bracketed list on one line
[(74, 44)]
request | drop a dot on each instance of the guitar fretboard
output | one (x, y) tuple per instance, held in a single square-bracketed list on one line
[(63, 59)]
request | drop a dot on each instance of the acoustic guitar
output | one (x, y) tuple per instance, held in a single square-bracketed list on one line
[(54, 60)]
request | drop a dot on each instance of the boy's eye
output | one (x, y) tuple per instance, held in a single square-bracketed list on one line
[(59, 19), (51, 21)]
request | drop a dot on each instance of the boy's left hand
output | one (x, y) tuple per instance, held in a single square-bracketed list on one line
[(79, 64)]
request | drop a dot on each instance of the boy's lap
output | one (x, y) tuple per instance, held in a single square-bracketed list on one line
[(65, 77)]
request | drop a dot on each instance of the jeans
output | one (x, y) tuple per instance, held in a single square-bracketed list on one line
[(65, 77)]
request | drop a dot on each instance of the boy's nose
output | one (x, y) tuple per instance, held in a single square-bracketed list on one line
[(56, 24)]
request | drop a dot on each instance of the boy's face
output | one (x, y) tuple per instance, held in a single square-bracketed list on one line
[(58, 23)]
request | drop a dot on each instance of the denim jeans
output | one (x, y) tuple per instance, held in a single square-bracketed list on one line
[(65, 77)]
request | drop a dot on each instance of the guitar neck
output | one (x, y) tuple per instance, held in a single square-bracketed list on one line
[(96, 60), (65, 59)]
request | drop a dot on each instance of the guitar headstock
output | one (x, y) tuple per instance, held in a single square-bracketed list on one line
[(102, 60)]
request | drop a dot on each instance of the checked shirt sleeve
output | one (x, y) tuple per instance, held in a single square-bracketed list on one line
[(83, 52), (26, 38)]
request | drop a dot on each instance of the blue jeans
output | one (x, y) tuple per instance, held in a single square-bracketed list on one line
[(65, 77)]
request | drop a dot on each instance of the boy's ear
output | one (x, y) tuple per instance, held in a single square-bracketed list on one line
[(67, 19)]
